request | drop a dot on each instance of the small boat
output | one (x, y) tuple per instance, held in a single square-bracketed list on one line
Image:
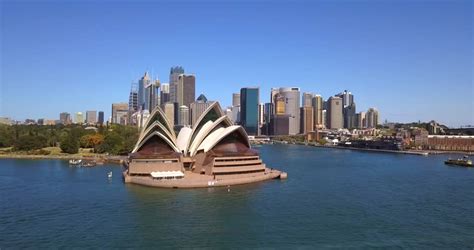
[(465, 162), (88, 164), (109, 175), (75, 162)]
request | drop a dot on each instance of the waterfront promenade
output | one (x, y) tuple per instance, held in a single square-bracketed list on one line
[(407, 152)]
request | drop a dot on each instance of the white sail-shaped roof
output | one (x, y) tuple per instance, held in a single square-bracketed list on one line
[(224, 121), (210, 138), (159, 116), (184, 136), (157, 126), (172, 145), (221, 134), (212, 113)]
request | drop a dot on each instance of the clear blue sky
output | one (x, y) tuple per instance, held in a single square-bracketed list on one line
[(411, 60)]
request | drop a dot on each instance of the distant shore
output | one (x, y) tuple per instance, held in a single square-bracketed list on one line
[(117, 158), (409, 152), (104, 158)]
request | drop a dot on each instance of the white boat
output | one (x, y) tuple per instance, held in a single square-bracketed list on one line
[(75, 162), (109, 174)]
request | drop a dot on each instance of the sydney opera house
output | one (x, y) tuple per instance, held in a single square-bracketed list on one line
[(214, 152)]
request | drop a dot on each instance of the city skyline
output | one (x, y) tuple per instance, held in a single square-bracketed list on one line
[(403, 72)]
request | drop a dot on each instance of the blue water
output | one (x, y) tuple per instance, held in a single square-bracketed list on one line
[(332, 198)]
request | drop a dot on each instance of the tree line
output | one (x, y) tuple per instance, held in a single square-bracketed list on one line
[(113, 139)]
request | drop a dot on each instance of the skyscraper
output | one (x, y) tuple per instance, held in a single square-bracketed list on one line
[(119, 112), (307, 99), (350, 116), (186, 89), (235, 99), (292, 108), (317, 104), (152, 96), (165, 93), (133, 99), (198, 107), (261, 117), (249, 100), (306, 115), (347, 98), (91, 117), (348, 107), (142, 84), (79, 118), (101, 118), (235, 114), (65, 118), (168, 109), (360, 120), (183, 119), (279, 104), (174, 73), (372, 118), (334, 113)]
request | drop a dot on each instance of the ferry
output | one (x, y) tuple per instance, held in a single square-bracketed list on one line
[(465, 162)]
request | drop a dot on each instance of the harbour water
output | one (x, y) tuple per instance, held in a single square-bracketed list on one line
[(332, 198)]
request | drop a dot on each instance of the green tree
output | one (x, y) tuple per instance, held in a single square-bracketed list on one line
[(69, 144), (30, 142), (113, 144)]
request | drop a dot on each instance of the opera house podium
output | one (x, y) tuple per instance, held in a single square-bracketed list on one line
[(214, 152)]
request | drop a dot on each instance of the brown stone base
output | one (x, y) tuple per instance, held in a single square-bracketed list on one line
[(194, 180)]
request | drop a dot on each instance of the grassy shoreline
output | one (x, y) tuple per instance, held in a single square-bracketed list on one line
[(56, 154)]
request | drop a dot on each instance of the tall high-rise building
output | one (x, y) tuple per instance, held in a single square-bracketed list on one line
[(292, 108), (360, 120), (186, 89), (317, 104), (65, 118), (306, 116), (235, 114), (334, 113), (306, 100), (168, 109), (280, 125), (119, 112), (79, 118), (165, 93), (268, 112), (101, 118), (350, 116), (235, 99), (174, 73), (152, 97), (91, 117), (372, 118), (183, 119), (273, 95), (347, 98), (261, 117), (325, 118), (133, 99), (198, 107), (279, 104), (348, 108), (142, 84), (249, 100)]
